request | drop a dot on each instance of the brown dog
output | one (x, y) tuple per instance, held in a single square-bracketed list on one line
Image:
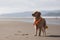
[(40, 23)]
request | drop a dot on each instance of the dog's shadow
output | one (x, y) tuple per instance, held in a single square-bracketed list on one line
[(53, 36)]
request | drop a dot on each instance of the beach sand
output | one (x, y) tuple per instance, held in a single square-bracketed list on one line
[(18, 30)]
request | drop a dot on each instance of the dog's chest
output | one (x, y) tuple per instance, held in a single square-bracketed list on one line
[(41, 22)]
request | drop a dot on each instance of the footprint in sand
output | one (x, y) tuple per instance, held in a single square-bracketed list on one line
[(9, 36), (16, 34), (24, 34), (19, 32)]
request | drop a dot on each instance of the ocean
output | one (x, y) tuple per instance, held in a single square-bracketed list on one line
[(55, 21)]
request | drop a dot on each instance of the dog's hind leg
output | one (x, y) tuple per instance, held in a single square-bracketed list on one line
[(44, 31)]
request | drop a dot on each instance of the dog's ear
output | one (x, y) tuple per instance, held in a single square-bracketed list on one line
[(39, 13)]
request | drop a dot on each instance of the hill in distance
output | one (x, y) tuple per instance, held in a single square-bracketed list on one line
[(29, 14)]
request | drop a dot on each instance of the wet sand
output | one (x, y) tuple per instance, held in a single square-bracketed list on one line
[(18, 30)]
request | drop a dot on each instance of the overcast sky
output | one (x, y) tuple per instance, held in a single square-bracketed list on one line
[(9, 6)]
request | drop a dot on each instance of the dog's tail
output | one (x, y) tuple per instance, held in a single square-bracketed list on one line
[(46, 27)]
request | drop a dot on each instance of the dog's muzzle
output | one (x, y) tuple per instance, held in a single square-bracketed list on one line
[(33, 15)]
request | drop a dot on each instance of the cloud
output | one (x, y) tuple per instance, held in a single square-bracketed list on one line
[(28, 5)]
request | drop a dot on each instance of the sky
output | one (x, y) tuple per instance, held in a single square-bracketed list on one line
[(12, 6)]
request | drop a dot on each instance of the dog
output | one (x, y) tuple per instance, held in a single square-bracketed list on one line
[(40, 23)]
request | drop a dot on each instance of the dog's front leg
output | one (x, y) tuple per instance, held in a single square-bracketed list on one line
[(40, 31), (36, 31)]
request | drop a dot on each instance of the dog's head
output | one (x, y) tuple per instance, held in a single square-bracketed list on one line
[(36, 14)]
